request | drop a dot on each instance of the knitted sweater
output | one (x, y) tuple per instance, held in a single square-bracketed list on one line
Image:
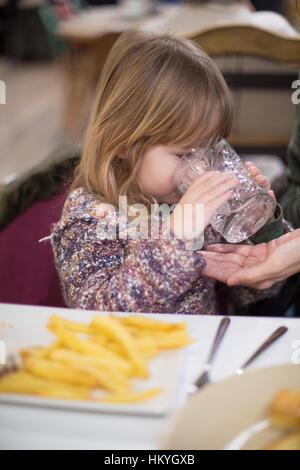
[(132, 274)]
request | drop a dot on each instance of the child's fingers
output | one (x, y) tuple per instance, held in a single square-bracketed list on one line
[(209, 178), (272, 194), (211, 206), (214, 186), (254, 170), (212, 190), (249, 164), (263, 180), (217, 191)]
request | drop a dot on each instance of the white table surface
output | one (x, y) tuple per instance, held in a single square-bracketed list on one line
[(26, 427)]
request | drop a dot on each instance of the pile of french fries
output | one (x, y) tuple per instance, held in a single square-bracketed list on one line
[(96, 360)]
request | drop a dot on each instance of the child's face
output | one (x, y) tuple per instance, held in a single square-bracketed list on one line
[(156, 173)]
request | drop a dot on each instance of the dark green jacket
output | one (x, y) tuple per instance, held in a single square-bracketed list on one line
[(291, 200), (272, 230)]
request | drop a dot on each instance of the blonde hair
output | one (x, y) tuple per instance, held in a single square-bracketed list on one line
[(154, 89)]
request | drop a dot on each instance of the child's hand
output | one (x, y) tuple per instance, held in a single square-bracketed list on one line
[(211, 189), (260, 178)]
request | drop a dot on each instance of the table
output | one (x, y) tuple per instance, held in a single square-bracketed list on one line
[(94, 22), (25, 427)]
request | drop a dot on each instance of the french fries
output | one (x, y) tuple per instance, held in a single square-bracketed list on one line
[(70, 325), (24, 382), (96, 360), (118, 333), (149, 323)]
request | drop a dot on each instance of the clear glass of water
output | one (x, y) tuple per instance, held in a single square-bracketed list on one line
[(250, 206)]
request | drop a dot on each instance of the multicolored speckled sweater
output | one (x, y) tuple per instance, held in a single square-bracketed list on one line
[(132, 274)]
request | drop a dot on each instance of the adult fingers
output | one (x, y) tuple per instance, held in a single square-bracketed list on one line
[(266, 284), (229, 248), (253, 276), (225, 258)]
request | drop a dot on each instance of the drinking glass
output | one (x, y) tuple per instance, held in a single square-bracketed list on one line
[(249, 207)]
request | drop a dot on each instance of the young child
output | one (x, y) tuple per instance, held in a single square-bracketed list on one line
[(158, 96)]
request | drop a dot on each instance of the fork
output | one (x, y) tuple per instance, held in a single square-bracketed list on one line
[(204, 377), (270, 340)]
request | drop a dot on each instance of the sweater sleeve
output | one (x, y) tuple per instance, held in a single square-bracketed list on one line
[(271, 230), (243, 296), (143, 275)]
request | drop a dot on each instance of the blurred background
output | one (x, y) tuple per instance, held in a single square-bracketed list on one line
[(51, 56)]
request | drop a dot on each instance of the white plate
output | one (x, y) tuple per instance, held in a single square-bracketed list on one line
[(225, 414), (19, 331)]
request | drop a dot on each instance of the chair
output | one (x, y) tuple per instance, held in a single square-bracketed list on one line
[(259, 66), (28, 208)]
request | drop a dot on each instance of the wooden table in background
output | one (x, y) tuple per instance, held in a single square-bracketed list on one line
[(231, 30)]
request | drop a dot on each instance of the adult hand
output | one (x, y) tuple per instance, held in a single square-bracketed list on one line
[(221, 266), (264, 264)]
